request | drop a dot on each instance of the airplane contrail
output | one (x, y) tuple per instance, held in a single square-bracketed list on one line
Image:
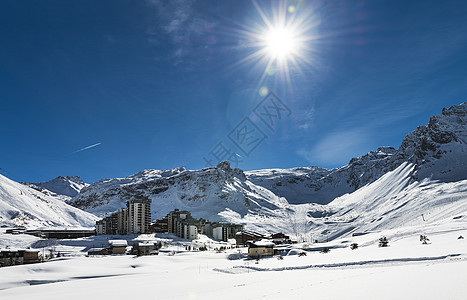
[(85, 148)]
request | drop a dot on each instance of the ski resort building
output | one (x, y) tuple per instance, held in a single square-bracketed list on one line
[(183, 225), (243, 237), (139, 215), (9, 257), (118, 246), (260, 248), (135, 218)]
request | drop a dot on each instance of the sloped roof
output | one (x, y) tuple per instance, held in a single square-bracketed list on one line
[(118, 243), (262, 243)]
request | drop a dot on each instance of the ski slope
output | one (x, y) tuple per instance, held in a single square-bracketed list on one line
[(21, 205)]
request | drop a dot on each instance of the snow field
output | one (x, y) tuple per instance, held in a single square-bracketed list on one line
[(404, 270)]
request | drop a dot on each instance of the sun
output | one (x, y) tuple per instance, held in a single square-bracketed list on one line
[(281, 43)]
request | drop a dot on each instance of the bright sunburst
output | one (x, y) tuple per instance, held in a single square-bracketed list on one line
[(282, 41)]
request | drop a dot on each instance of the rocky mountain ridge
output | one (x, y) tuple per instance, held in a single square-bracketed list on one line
[(204, 192), (438, 151)]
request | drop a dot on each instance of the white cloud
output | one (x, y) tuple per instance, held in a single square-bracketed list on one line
[(178, 19)]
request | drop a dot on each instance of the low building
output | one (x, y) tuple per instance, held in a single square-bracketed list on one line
[(260, 248), (280, 238), (18, 230), (61, 233), (146, 248), (243, 237), (98, 251), (31, 256), (117, 246), (9, 257)]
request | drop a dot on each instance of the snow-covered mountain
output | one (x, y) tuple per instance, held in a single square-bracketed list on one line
[(429, 164), (437, 150), (205, 192), (395, 200), (68, 186), (22, 205)]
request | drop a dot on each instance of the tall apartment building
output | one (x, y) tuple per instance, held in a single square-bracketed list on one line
[(122, 220), (174, 217), (139, 215)]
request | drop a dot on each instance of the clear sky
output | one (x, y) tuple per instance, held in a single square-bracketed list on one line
[(104, 89)]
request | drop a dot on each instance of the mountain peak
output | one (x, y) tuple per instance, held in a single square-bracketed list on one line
[(63, 185)]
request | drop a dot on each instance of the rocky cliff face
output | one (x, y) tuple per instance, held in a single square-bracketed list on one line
[(205, 192), (438, 151)]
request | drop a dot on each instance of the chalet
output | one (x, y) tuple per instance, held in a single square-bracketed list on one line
[(243, 237), (117, 246), (146, 248), (260, 248), (280, 238)]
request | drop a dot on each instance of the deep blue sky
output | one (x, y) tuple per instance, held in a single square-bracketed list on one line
[(159, 83)]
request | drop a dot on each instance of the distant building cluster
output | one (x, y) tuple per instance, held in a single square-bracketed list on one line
[(183, 225), (135, 218), (244, 237), (260, 245)]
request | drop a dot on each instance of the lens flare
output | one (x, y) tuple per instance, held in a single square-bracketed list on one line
[(263, 91)]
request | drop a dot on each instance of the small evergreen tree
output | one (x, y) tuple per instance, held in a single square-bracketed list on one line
[(383, 242), (325, 250), (424, 239), (354, 246)]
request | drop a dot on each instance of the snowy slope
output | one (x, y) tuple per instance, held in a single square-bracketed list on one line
[(25, 206), (205, 192), (68, 186), (438, 150), (395, 200)]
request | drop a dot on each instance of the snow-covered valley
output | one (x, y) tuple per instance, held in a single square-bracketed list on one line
[(431, 271), (418, 189)]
